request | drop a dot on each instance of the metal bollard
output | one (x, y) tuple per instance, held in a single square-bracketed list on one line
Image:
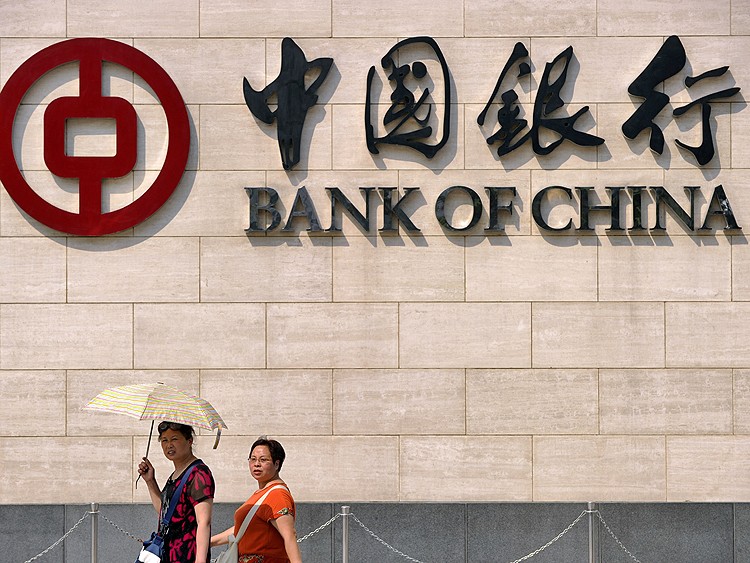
[(94, 531), (594, 546), (345, 534)]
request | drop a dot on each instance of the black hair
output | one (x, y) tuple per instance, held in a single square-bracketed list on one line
[(277, 451), (184, 429)]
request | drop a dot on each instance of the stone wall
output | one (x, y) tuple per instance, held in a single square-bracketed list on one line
[(442, 366)]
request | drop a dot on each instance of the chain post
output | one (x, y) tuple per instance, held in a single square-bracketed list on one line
[(594, 543), (345, 534), (94, 531)]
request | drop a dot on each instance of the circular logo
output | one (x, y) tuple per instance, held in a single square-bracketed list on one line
[(92, 170)]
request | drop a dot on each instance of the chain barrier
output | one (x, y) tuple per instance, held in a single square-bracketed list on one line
[(614, 537), (58, 542), (116, 527), (319, 528), (553, 540), (371, 533), (386, 544)]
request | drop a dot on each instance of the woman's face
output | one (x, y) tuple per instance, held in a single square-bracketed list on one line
[(174, 445), (262, 468)]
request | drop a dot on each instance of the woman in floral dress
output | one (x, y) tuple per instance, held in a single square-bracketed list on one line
[(186, 539)]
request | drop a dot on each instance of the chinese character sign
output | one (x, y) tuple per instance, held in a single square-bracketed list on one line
[(670, 60), (410, 118), (293, 98), (547, 102)]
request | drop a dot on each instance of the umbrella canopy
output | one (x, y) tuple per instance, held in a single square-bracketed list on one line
[(157, 401)]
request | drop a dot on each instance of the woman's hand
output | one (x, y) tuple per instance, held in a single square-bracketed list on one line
[(222, 538), (147, 471)]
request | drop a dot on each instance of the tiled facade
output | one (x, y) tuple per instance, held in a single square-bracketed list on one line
[(439, 367)]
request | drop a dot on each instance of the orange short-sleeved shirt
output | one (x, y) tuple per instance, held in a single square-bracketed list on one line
[(261, 538)]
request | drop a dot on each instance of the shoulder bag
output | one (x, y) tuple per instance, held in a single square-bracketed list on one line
[(232, 554), (152, 548)]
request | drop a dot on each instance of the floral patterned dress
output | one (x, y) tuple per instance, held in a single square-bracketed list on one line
[(179, 539)]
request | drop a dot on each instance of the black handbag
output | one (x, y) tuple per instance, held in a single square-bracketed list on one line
[(151, 552)]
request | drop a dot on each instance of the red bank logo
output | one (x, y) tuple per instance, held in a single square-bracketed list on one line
[(90, 171)]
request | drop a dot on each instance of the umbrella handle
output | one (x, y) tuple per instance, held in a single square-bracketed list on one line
[(148, 445)]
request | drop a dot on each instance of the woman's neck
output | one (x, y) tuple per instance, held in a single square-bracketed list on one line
[(181, 465), (264, 484)]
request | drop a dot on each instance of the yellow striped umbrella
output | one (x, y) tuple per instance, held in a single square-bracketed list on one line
[(156, 401)]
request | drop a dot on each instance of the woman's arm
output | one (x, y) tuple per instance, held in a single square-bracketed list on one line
[(203, 533), (285, 525), (146, 470), (222, 538)]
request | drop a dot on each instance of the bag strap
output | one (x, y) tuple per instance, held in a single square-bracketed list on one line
[(176, 495), (254, 509)]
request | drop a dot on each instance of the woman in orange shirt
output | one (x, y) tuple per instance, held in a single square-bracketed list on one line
[(270, 537)]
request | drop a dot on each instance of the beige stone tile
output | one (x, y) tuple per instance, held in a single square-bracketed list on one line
[(607, 468), (362, 468), (490, 335), (400, 269), (202, 335), (303, 396), (362, 19), (332, 335), (480, 155), (620, 152), (140, 18), (399, 402), (49, 470), (206, 71), (531, 268), (661, 17), (84, 385), (531, 401), (35, 18), (133, 269), (33, 403), (350, 145), (265, 269), (153, 139), (708, 468), (740, 126), (458, 209), (598, 335), (236, 18), (66, 336), (665, 401), (740, 17), (232, 139), (602, 68), (33, 270), (702, 335), (557, 210), (462, 468), (678, 268), (205, 204), (573, 17), (741, 402)]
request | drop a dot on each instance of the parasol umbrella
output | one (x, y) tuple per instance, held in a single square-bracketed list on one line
[(157, 401)]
